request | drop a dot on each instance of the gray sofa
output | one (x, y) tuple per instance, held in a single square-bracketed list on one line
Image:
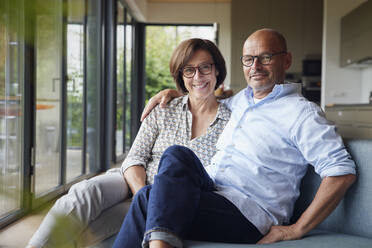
[(350, 225)]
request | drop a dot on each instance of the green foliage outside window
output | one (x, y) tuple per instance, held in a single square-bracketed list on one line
[(75, 120), (2, 82), (2, 66), (159, 47), (120, 89)]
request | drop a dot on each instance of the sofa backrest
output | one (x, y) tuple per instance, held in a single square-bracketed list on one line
[(354, 213)]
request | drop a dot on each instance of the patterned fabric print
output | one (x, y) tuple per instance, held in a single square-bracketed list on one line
[(172, 126)]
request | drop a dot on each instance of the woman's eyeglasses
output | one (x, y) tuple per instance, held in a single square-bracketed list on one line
[(189, 71)]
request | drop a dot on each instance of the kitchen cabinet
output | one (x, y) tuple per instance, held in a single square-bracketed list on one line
[(356, 37), (352, 121)]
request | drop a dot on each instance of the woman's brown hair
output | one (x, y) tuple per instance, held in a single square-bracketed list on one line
[(183, 53)]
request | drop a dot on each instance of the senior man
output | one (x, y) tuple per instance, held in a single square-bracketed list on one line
[(263, 153)]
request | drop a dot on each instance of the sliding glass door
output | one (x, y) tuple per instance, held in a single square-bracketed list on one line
[(48, 108), (67, 93), (120, 76), (11, 111), (83, 94), (124, 68), (93, 90), (54, 99), (129, 51), (75, 88)]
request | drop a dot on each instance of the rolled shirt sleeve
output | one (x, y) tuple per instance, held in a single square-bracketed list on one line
[(321, 146)]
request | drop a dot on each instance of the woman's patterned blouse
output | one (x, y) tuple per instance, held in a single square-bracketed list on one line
[(169, 126)]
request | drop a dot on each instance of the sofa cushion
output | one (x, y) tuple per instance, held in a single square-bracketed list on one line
[(353, 215), (316, 238)]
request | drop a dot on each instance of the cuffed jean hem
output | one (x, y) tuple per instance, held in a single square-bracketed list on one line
[(163, 235)]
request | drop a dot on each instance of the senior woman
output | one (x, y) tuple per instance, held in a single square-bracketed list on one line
[(194, 120)]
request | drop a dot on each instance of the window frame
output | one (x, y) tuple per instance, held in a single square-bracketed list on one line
[(106, 103)]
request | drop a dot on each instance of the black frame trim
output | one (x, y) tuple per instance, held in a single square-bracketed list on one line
[(84, 150), (138, 77), (109, 74)]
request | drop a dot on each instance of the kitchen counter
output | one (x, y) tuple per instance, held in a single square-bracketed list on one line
[(351, 120), (349, 105)]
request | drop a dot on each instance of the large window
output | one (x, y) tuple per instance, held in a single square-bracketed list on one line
[(120, 76), (124, 67), (75, 88), (48, 60), (54, 96), (93, 87), (83, 95), (11, 101), (67, 92), (129, 40)]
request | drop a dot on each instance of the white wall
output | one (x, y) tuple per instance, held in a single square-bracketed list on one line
[(138, 9), (197, 13), (339, 85)]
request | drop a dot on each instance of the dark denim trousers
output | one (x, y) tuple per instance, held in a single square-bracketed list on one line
[(182, 204)]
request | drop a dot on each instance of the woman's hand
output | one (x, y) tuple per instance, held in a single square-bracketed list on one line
[(162, 98)]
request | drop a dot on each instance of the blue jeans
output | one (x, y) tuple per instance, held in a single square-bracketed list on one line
[(182, 204)]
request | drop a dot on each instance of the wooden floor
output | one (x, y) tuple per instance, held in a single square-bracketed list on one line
[(17, 234)]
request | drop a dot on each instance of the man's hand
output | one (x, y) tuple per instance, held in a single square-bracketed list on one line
[(329, 194), (280, 233), (162, 98)]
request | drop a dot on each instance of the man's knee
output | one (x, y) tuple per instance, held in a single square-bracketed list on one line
[(178, 158), (177, 150)]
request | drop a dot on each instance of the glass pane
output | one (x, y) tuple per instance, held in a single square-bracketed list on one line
[(128, 78), (119, 79), (93, 85), (48, 96), (10, 109), (75, 89)]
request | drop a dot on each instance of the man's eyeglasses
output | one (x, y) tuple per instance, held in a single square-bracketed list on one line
[(189, 71), (263, 59)]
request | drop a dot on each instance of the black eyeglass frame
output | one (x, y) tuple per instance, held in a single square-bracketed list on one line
[(259, 56), (197, 68)]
